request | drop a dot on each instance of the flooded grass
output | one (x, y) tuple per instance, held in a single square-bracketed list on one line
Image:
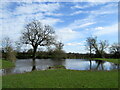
[(61, 78), (6, 64), (109, 60)]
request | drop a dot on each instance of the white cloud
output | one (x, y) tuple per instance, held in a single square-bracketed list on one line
[(74, 44), (37, 8), (90, 4), (78, 12), (75, 49), (28, 9), (107, 9), (99, 28), (24, 13), (81, 23), (76, 26), (53, 14), (50, 21), (108, 30), (67, 34), (77, 6), (93, 15)]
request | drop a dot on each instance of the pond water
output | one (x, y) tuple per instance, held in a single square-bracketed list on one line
[(26, 65)]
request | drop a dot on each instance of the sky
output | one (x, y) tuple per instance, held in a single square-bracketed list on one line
[(73, 22)]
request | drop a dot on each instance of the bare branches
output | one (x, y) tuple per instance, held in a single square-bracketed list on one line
[(103, 45), (37, 34), (8, 49), (99, 48), (115, 48), (59, 45), (89, 45)]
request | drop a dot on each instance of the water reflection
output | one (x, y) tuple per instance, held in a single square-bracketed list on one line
[(100, 62), (90, 64), (34, 65), (28, 65)]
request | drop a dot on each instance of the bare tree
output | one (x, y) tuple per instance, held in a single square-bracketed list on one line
[(18, 46), (98, 47), (103, 45), (59, 53), (115, 49), (59, 45), (89, 46), (10, 54), (36, 34), (6, 43)]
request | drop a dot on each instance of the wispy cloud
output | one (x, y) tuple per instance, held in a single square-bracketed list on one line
[(50, 21), (108, 30), (90, 4), (14, 21), (106, 9), (79, 12), (81, 24), (75, 44), (36, 8), (67, 34)]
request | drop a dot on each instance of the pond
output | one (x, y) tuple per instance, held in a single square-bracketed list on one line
[(26, 65)]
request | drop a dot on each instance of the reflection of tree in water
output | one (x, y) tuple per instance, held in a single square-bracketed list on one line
[(100, 62), (34, 65), (58, 61), (118, 65), (90, 64), (53, 61)]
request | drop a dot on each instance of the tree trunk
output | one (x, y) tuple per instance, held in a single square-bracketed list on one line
[(99, 55), (34, 66), (34, 52), (90, 52), (90, 65), (34, 57)]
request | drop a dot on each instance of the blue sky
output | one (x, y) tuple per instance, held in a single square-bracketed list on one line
[(72, 21)]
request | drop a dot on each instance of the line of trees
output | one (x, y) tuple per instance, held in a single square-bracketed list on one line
[(37, 35), (99, 48)]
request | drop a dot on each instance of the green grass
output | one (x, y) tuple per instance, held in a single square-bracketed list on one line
[(6, 64), (109, 60), (61, 78)]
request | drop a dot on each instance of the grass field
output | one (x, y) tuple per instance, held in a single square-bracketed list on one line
[(6, 64), (109, 60), (61, 78)]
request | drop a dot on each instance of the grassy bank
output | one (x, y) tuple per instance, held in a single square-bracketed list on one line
[(109, 60), (6, 64), (61, 78)]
